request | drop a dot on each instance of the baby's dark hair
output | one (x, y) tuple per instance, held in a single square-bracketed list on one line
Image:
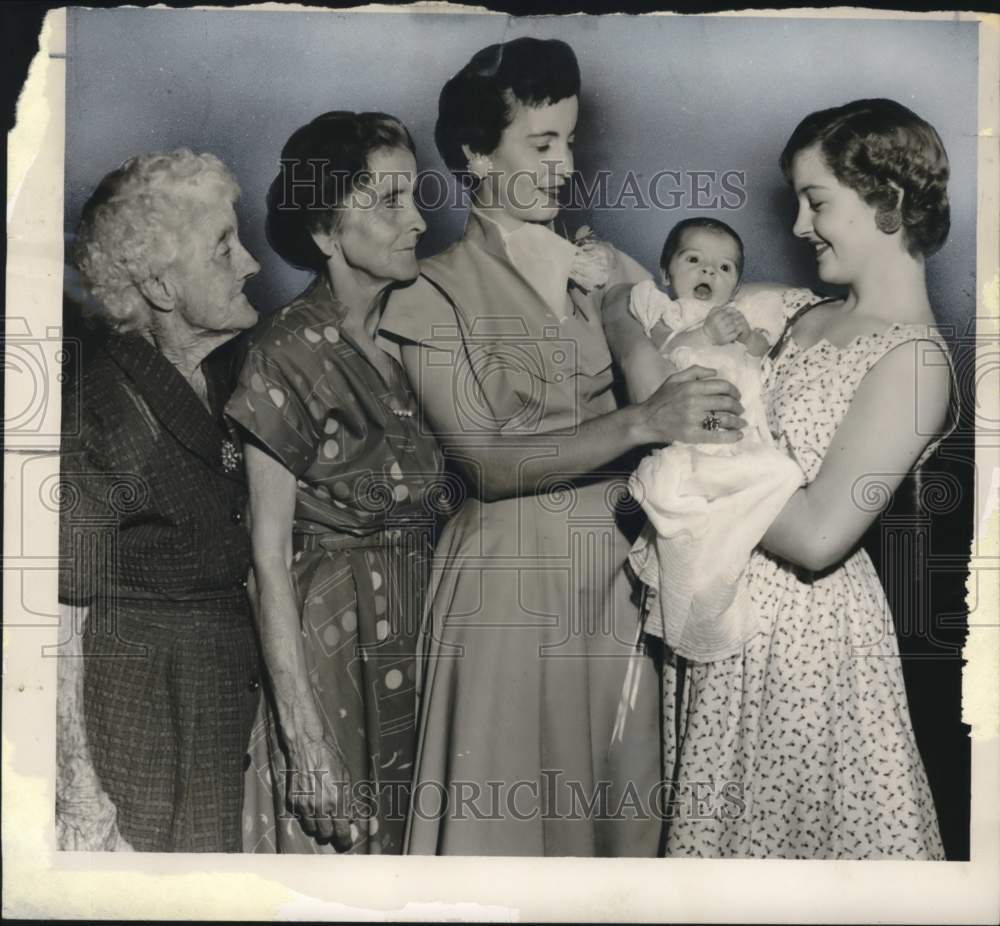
[(673, 243)]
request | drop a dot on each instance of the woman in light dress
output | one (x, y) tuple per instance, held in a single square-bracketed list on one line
[(800, 745), (531, 624)]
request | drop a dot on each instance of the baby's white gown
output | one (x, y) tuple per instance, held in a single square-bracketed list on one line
[(710, 504)]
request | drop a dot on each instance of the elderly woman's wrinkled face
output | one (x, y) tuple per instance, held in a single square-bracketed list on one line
[(209, 273), (378, 231), (533, 161)]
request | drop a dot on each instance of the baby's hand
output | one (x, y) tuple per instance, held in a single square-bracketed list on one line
[(725, 324)]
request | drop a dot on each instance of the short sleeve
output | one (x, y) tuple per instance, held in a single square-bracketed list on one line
[(272, 402), (417, 314), (479, 388), (648, 305)]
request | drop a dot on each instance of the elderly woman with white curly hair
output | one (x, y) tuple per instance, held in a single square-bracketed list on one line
[(155, 556)]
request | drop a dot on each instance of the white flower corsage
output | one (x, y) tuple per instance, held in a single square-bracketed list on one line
[(591, 267)]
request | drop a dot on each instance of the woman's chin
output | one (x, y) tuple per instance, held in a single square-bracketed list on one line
[(407, 272), (244, 314), (827, 274), (539, 214)]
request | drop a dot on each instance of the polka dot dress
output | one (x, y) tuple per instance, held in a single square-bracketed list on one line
[(368, 477), (801, 746)]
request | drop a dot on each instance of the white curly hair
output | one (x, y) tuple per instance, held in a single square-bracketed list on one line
[(132, 229)]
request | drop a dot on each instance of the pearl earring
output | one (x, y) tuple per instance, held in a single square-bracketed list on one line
[(480, 165)]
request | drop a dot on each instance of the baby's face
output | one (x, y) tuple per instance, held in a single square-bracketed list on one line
[(705, 267)]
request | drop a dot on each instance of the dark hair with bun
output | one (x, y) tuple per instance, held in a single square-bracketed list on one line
[(321, 164), (870, 145), (475, 106)]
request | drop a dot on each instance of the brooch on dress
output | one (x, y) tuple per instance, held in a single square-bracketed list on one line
[(231, 456)]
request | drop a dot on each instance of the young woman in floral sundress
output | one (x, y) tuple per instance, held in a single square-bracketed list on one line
[(809, 726), (801, 745)]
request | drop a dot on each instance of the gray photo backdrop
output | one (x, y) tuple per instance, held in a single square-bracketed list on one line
[(659, 93)]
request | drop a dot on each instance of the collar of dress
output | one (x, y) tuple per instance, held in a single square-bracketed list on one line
[(543, 257), (173, 402), (320, 294)]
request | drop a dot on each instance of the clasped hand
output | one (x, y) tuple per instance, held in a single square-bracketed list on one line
[(725, 324)]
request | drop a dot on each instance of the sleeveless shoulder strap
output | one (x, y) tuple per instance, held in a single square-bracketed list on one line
[(786, 331)]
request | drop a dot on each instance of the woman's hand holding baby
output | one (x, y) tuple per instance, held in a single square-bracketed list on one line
[(676, 411), (757, 342), (724, 324)]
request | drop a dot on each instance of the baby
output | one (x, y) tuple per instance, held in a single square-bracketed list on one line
[(702, 264), (709, 504)]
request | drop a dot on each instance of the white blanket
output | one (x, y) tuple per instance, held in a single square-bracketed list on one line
[(709, 505), (706, 514)]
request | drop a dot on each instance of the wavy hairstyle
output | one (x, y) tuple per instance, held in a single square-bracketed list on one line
[(321, 164), (870, 145), (479, 102), (131, 229)]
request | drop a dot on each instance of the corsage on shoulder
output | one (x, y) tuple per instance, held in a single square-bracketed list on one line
[(591, 267)]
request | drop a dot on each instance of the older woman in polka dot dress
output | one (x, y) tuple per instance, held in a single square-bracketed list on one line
[(342, 479)]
